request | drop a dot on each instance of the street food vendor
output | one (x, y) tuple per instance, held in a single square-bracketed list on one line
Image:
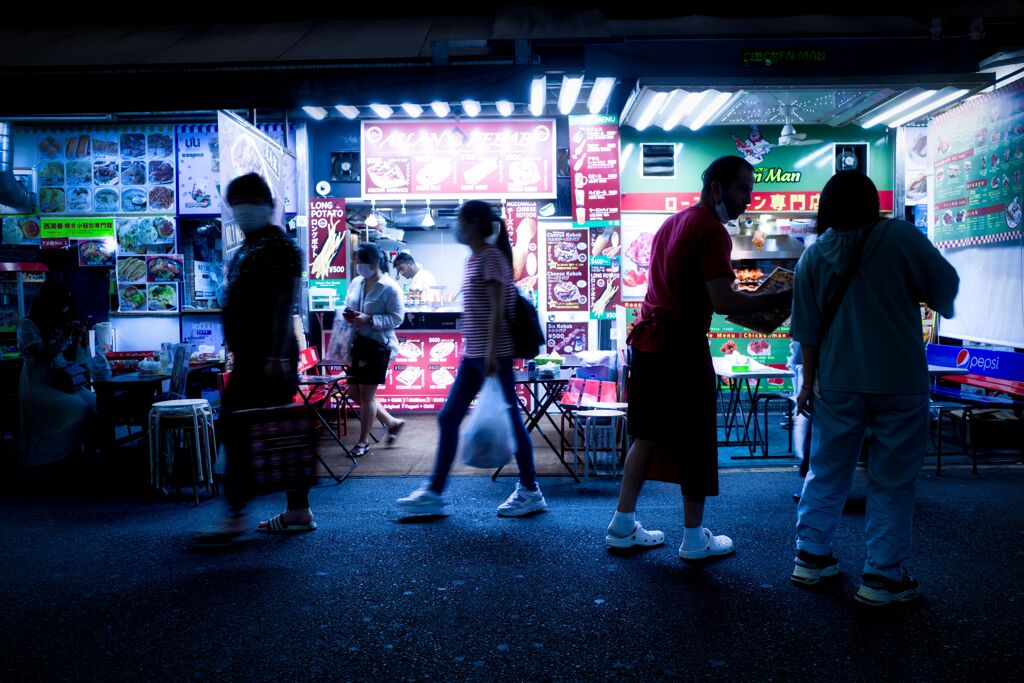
[(412, 275)]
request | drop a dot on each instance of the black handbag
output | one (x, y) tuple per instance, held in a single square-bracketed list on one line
[(71, 377), (527, 336)]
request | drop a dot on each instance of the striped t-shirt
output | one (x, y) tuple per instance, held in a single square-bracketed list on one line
[(490, 265)]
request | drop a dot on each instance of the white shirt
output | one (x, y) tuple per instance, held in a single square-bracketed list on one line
[(423, 280)]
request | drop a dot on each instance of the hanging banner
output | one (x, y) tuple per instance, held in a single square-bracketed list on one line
[(605, 271), (567, 272), (459, 159), (245, 149), (595, 175), (521, 218), (978, 152)]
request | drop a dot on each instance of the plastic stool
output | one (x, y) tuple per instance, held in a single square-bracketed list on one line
[(603, 433), (193, 416)]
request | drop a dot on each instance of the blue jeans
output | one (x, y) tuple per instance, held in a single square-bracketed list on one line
[(468, 381), (896, 445)]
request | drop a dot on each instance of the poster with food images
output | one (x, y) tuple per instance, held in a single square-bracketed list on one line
[(977, 151), (568, 286), (199, 188), (422, 372), (21, 230), (605, 271), (459, 159), (915, 164), (106, 170), (96, 253), (773, 350), (522, 217), (327, 237), (166, 268), (638, 230), (594, 174), (566, 338), (146, 235)]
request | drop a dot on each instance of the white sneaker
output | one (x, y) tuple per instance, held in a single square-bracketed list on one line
[(522, 502), (639, 537), (424, 502), (714, 546)]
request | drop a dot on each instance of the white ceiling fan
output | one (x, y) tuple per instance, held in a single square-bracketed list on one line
[(789, 137)]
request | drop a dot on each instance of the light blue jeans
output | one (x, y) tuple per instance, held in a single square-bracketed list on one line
[(898, 438)]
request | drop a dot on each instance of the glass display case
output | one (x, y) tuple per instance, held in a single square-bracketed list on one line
[(19, 284)]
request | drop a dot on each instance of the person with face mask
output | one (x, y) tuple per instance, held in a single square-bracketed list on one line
[(489, 296), (262, 283), (374, 308), (672, 385)]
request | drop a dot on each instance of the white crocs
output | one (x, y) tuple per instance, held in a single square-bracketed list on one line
[(639, 537), (714, 546)]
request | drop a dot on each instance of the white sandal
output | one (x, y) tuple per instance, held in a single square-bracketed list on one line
[(639, 537), (714, 546)]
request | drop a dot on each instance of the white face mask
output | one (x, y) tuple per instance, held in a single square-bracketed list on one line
[(723, 213), (365, 270), (252, 217)]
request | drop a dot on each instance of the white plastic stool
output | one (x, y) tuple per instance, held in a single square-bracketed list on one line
[(598, 439), (188, 415)]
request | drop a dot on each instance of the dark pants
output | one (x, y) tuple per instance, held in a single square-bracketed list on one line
[(250, 387), (468, 381)]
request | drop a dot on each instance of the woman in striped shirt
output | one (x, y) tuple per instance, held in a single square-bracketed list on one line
[(489, 296)]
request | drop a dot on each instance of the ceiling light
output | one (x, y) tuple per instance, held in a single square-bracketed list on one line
[(371, 220), (382, 110), (710, 109), (650, 109), (538, 95), (413, 110), (505, 108), (683, 109), (428, 220), (441, 109), (318, 113), (348, 111), (904, 104), (928, 108), (599, 94), (471, 108), (569, 94)]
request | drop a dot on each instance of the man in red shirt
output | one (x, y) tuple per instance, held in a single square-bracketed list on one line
[(672, 385)]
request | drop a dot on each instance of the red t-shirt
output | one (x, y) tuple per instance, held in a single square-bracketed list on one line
[(689, 249)]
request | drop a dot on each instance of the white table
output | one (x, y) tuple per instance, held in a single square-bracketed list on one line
[(939, 371), (735, 380)]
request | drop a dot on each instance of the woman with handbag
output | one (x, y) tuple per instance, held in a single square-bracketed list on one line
[(489, 300), (374, 308), (56, 404)]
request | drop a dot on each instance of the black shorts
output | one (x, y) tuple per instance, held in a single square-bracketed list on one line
[(369, 362), (672, 402)]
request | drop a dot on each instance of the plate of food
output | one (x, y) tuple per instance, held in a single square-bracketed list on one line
[(51, 200), (759, 347), (442, 350), (565, 292), (50, 148), (20, 230), (442, 377), (387, 174), (131, 298), (165, 268), (95, 253), (79, 173), (133, 173), (918, 188), (162, 297), (133, 201), (410, 350), (133, 235), (523, 173), (409, 376), (161, 198), (639, 250), (164, 227), (1013, 214), (133, 146), (160, 173), (51, 173), (160, 145), (106, 200), (77, 147), (132, 269), (565, 252), (106, 173), (79, 199), (435, 173), (104, 147)]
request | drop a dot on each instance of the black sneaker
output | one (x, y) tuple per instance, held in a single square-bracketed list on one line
[(879, 591), (810, 569)]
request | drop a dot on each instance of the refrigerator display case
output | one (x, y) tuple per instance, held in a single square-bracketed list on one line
[(19, 284)]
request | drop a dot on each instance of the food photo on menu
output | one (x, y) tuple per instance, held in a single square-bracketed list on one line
[(162, 298), (96, 252)]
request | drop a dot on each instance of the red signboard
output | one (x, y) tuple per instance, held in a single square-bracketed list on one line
[(422, 371), (521, 218), (54, 243), (762, 202), (567, 276), (595, 176), (458, 159), (327, 239)]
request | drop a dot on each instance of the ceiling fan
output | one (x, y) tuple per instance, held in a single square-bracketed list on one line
[(789, 137)]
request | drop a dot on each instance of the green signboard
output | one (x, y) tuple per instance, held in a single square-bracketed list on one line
[(77, 228)]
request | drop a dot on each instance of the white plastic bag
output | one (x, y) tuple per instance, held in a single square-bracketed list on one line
[(99, 367), (488, 440), (340, 348)]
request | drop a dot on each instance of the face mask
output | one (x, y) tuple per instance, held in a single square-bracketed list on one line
[(723, 213), (252, 217), (365, 270)]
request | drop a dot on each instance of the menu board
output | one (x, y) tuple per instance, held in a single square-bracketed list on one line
[(595, 174), (638, 232), (149, 283), (566, 338), (605, 271), (978, 153), (522, 220), (458, 159), (568, 285), (199, 187), (126, 169), (767, 349), (422, 372), (147, 235)]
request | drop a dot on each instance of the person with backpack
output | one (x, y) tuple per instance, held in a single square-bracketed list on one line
[(490, 305)]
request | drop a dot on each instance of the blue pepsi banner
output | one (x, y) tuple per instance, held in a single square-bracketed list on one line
[(998, 364)]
